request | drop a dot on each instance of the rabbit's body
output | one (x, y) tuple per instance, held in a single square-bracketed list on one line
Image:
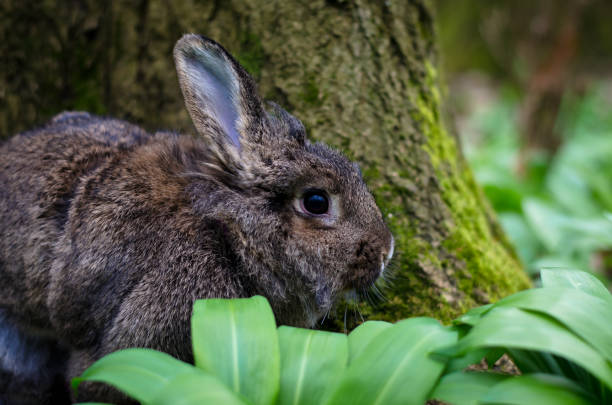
[(96, 210), (41, 178), (82, 240), (109, 234)]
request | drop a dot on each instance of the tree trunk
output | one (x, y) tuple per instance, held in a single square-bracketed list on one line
[(362, 76)]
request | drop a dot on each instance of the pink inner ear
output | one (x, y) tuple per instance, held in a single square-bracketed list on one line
[(217, 91)]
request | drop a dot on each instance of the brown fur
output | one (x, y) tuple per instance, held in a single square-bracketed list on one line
[(109, 233)]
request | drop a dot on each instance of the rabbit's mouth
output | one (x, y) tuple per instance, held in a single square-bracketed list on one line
[(323, 298), (362, 274)]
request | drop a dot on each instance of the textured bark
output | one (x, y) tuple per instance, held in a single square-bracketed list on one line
[(362, 76)]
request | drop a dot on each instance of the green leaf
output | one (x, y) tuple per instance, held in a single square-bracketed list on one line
[(586, 315), (515, 328), (465, 388), (543, 362), (472, 317), (196, 389), (140, 373), (546, 221), (470, 358), (360, 338), (563, 233), (534, 362), (493, 355), (521, 235), (577, 279), (311, 363), (569, 189), (236, 340), (541, 389), (396, 368)]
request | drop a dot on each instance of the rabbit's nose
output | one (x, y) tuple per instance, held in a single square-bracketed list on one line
[(390, 251), (387, 254)]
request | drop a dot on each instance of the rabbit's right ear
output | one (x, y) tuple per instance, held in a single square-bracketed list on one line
[(219, 94)]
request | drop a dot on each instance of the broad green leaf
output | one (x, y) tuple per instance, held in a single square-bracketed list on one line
[(600, 185), (563, 233), (360, 338), (236, 340), (564, 259), (586, 315), (472, 317), (521, 235), (536, 362), (311, 363), (543, 362), (514, 328), (541, 389), (546, 221), (140, 373), (196, 389), (570, 190), (396, 368), (577, 279), (493, 355), (505, 195), (465, 388), (589, 233)]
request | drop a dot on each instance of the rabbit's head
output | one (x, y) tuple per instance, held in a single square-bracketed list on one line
[(300, 218)]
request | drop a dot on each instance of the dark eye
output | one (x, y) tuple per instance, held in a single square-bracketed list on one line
[(315, 202)]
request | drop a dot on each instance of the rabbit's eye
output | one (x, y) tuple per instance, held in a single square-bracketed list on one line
[(315, 202)]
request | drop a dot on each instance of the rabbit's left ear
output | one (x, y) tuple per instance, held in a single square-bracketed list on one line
[(219, 94)]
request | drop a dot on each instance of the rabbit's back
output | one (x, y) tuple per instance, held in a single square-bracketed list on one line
[(98, 223), (39, 175)]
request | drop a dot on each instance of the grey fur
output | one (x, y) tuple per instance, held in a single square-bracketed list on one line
[(109, 233)]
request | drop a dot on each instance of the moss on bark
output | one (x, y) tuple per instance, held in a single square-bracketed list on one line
[(362, 75)]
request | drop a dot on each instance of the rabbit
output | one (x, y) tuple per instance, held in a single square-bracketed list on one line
[(109, 233)]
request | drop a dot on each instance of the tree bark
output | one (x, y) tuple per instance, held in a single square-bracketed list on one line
[(362, 75)]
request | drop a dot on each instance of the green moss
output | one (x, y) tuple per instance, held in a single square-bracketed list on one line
[(484, 270), (491, 270), (371, 173), (310, 93), (251, 54), (88, 98)]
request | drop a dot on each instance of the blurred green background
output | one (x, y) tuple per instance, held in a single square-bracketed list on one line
[(530, 92)]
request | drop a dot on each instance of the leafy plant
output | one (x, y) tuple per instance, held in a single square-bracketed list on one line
[(559, 336), (557, 210)]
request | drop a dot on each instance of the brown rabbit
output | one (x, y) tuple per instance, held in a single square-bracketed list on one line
[(109, 233)]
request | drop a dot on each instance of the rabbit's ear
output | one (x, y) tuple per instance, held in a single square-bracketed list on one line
[(219, 94)]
